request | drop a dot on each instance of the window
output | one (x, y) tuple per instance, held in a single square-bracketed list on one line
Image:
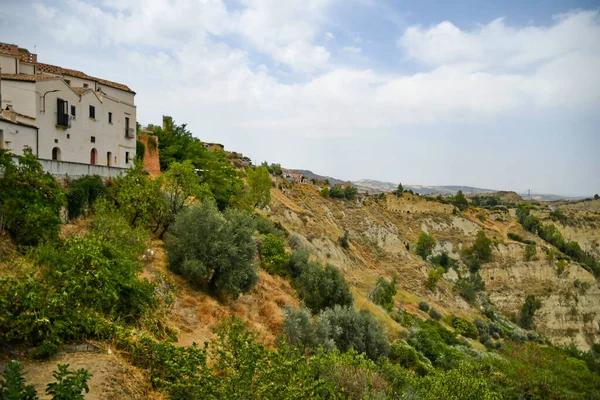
[(56, 154), (93, 139), (126, 157), (73, 112), (68, 82), (85, 85), (110, 118), (62, 112), (1, 139), (92, 112), (128, 131)]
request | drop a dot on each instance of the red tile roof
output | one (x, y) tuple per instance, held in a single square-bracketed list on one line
[(28, 78), (54, 69), (81, 90)]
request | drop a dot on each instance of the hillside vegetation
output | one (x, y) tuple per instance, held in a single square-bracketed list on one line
[(237, 283)]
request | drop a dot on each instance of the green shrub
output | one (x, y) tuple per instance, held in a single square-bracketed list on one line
[(469, 287), (423, 306), (207, 247), (297, 263), (531, 305), (433, 277), (274, 259), (479, 253), (265, 226), (69, 385), (82, 194), (425, 245), (30, 200), (436, 343), (384, 292), (435, 314), (445, 261), (140, 150), (323, 288), (518, 238), (325, 192), (464, 327), (343, 241), (13, 385), (408, 357), (530, 251)]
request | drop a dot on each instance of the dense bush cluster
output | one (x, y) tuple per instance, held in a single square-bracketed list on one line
[(479, 253), (425, 245), (338, 192), (83, 193), (384, 292), (552, 235)]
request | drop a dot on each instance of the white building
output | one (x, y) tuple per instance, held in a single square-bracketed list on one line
[(64, 114)]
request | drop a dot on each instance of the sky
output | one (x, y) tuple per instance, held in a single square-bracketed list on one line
[(495, 94)]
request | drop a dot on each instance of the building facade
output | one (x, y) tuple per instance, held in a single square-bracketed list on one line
[(64, 114)]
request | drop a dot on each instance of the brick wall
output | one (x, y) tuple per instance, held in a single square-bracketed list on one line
[(151, 160)]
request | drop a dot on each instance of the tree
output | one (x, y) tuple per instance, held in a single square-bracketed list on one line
[(399, 191), (257, 191), (137, 196), (323, 288), (530, 251), (13, 385), (213, 249), (425, 245), (325, 192), (531, 305), (30, 200), (384, 292), (433, 277), (337, 192), (460, 200), (274, 259), (596, 197), (350, 192), (179, 183), (479, 253)]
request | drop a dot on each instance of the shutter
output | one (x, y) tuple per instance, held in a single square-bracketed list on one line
[(59, 108)]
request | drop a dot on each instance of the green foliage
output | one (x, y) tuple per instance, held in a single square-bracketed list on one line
[(83, 193), (436, 343), (176, 143), (384, 292), (465, 328), (136, 196), (403, 354), (519, 238), (423, 306), (178, 185), (531, 305), (435, 314), (403, 317), (30, 200), (460, 200), (337, 192), (257, 190), (433, 276), (425, 245), (469, 287), (325, 192), (479, 253), (212, 248), (13, 385), (140, 150), (298, 263), (530, 251), (69, 385), (265, 226), (486, 201), (323, 288), (273, 169), (399, 190), (343, 241), (339, 327), (274, 259), (445, 261), (84, 285), (350, 192)]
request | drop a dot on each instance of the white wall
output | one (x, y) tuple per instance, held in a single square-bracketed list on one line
[(9, 64), (16, 137), (21, 95)]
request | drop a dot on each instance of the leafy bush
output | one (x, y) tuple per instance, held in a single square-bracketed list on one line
[(519, 238), (384, 292), (82, 194), (323, 288), (423, 306), (469, 287), (464, 327), (274, 259), (297, 263), (408, 357), (530, 251), (343, 241), (433, 277), (435, 342), (207, 247), (531, 305), (325, 192), (265, 226), (435, 314), (69, 385), (30, 200), (13, 385), (425, 245), (479, 253), (445, 261)]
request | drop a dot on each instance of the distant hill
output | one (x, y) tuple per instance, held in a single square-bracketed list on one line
[(312, 175), (377, 186)]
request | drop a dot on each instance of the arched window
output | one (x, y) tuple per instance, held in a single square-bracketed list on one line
[(93, 156), (108, 159), (56, 154)]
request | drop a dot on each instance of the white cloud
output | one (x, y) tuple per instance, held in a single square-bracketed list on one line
[(329, 36), (351, 50)]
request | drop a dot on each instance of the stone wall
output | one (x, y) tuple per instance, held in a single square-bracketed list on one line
[(151, 159)]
